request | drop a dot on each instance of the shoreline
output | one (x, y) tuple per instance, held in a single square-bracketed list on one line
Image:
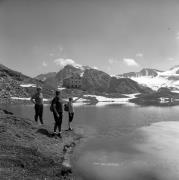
[(86, 99), (33, 152)]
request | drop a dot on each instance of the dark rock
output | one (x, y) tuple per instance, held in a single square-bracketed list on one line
[(126, 86), (66, 171)]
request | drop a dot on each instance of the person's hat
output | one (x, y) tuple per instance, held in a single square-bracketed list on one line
[(39, 88)]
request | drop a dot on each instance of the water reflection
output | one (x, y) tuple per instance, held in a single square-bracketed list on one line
[(145, 154)]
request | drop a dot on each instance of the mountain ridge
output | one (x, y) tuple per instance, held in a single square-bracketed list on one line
[(16, 84), (155, 79)]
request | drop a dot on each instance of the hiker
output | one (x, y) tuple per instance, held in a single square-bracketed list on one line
[(71, 111), (37, 99), (57, 109)]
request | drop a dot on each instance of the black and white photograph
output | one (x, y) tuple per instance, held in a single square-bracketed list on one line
[(89, 89)]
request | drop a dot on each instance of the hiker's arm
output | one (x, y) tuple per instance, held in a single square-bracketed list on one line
[(77, 99), (32, 99), (54, 108)]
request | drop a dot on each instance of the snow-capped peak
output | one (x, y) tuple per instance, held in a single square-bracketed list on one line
[(176, 66), (155, 79), (172, 72)]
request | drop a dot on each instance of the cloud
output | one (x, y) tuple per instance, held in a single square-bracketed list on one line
[(177, 35), (63, 62), (60, 49), (108, 68), (130, 62), (44, 64), (51, 54), (171, 59), (139, 55), (112, 61)]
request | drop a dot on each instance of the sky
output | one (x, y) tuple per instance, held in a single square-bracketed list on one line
[(116, 36)]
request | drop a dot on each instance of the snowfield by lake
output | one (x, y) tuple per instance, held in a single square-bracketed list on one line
[(106, 99), (28, 85), (26, 99), (101, 99)]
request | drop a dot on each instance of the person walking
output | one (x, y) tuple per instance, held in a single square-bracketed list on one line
[(57, 109), (71, 112), (37, 99)]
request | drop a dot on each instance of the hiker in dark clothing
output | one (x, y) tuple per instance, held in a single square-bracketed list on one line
[(37, 99), (57, 104)]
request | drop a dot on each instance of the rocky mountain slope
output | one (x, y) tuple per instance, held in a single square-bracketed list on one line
[(15, 84), (126, 86), (55, 79), (143, 72), (43, 77), (94, 80), (68, 70)]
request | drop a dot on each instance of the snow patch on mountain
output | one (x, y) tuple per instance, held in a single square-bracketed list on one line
[(156, 82), (81, 75), (153, 82), (169, 78), (171, 72)]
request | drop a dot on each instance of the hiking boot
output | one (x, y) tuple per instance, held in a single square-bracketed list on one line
[(70, 129), (59, 135)]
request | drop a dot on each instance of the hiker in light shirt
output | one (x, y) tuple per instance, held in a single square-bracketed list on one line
[(71, 111)]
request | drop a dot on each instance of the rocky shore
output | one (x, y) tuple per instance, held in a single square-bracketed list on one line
[(28, 151)]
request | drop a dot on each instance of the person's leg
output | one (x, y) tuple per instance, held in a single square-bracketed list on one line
[(56, 122), (55, 128), (71, 115), (41, 113), (60, 122), (36, 112)]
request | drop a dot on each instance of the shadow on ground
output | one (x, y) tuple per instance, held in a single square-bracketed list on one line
[(45, 132)]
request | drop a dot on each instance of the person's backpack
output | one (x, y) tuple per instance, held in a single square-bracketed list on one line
[(51, 106), (66, 107)]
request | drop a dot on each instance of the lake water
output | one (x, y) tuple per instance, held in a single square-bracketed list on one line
[(112, 131)]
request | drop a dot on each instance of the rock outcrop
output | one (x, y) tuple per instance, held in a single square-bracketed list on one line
[(126, 86), (95, 80)]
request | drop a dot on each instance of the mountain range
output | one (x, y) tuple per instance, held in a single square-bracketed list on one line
[(13, 83), (94, 80), (155, 79)]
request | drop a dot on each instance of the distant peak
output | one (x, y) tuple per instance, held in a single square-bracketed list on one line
[(150, 69), (174, 67)]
